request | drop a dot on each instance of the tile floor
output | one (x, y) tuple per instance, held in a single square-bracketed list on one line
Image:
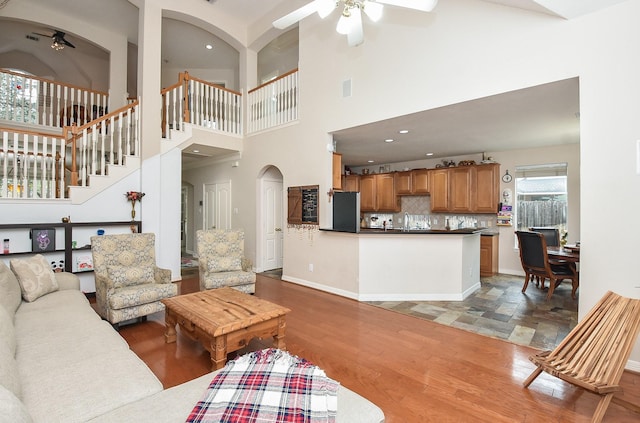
[(499, 309)]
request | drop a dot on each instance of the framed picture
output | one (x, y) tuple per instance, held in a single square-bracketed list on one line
[(43, 240)]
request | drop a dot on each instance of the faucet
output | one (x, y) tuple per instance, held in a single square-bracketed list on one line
[(405, 226)]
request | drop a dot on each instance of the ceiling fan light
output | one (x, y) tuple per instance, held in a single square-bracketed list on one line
[(325, 7), (355, 36), (372, 10), (344, 25)]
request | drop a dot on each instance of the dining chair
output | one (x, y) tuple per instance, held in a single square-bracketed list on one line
[(535, 263), (551, 235)]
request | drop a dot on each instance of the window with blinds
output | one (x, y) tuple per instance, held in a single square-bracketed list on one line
[(541, 196)]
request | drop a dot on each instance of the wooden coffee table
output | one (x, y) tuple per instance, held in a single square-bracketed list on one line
[(224, 320)]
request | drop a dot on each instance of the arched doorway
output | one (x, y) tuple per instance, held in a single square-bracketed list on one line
[(270, 222)]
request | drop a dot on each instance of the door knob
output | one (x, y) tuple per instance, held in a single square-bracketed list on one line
[(278, 230)]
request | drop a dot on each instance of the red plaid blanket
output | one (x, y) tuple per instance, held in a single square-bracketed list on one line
[(268, 386)]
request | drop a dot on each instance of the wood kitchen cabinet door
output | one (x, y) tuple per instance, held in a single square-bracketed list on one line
[(351, 183), (488, 255), (439, 186), (420, 179), (386, 199), (337, 171), (404, 183), (487, 188), (462, 189), (367, 193)]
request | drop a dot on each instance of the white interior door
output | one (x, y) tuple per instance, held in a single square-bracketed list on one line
[(217, 200), (273, 234)]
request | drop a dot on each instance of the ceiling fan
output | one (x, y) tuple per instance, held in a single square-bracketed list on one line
[(58, 42), (350, 22)]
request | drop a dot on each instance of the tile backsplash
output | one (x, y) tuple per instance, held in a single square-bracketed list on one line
[(418, 209)]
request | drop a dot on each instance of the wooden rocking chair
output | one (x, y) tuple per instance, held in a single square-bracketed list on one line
[(594, 353)]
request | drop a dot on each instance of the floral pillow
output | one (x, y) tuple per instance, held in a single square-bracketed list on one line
[(35, 277), (224, 263), (128, 276)]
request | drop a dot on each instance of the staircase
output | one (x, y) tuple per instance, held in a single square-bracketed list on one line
[(58, 142)]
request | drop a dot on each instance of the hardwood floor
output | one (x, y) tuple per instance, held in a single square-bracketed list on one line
[(415, 370)]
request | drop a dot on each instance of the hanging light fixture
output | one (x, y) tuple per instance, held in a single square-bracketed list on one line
[(57, 43), (350, 21)]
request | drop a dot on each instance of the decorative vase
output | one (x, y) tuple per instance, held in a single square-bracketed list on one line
[(133, 210)]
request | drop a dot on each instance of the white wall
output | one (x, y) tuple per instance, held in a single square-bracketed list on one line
[(465, 50)]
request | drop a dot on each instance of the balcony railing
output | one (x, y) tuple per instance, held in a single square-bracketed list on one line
[(274, 103), (201, 103), (37, 101)]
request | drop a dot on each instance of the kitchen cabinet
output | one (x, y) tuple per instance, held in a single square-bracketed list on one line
[(412, 182), (377, 193), (337, 171), (420, 179), (487, 188), (460, 189), (351, 183), (439, 186), (488, 255), (404, 183), (465, 189)]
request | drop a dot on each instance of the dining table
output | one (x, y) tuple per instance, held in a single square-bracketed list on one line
[(570, 253)]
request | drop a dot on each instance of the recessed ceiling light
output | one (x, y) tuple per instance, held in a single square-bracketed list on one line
[(429, 154), (389, 140), (370, 161), (209, 46), (196, 151), (403, 131)]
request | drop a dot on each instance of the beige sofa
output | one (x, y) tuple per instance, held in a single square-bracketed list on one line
[(59, 362)]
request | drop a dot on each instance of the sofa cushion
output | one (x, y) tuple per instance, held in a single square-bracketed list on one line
[(128, 276), (130, 296), (35, 276), (10, 294), (9, 377), (7, 330), (224, 263), (175, 404), (12, 409)]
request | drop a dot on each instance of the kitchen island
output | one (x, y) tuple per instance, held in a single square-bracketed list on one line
[(425, 265)]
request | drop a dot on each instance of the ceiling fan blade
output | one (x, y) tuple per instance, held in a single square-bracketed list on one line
[(355, 36), (422, 5), (296, 16), (67, 43)]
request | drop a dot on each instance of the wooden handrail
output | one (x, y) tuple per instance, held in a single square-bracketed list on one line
[(77, 87), (30, 132), (220, 87), (284, 75), (77, 129)]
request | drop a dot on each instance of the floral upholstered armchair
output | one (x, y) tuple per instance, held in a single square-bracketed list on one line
[(221, 260), (129, 285)]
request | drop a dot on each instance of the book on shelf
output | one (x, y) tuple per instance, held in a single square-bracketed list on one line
[(84, 263)]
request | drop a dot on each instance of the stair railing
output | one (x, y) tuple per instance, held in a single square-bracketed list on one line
[(105, 141), (32, 164), (38, 101)]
